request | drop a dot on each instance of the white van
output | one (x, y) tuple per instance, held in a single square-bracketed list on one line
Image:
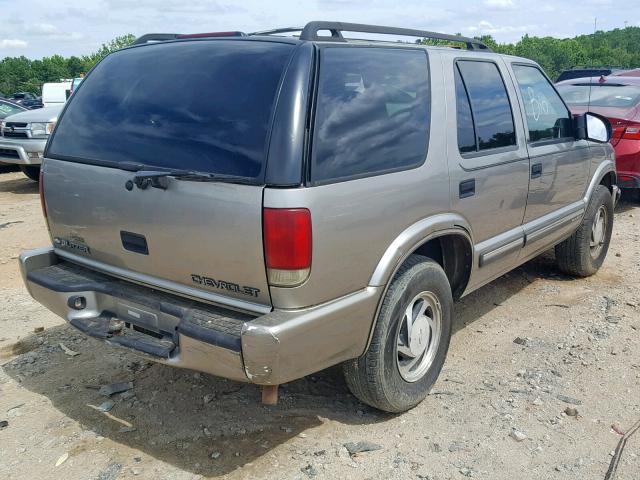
[(55, 93)]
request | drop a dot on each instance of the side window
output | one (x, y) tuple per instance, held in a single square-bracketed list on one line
[(547, 116), (466, 131), (490, 107), (372, 112)]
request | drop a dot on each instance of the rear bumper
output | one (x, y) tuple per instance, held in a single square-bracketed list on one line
[(275, 348), (21, 151)]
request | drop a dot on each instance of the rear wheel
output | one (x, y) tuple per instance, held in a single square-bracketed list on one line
[(410, 340), (583, 252), (31, 171)]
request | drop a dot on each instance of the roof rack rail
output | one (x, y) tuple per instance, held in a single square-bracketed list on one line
[(311, 29), (163, 37), (310, 32), (276, 31)]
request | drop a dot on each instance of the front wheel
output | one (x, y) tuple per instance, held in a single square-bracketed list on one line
[(31, 171), (410, 339), (583, 253)]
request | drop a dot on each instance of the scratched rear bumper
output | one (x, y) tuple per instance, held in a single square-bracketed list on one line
[(275, 348)]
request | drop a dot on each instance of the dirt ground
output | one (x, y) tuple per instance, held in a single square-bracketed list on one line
[(551, 405)]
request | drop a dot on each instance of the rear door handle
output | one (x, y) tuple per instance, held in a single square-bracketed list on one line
[(467, 188), (536, 170)]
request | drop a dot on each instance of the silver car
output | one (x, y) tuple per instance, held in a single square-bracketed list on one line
[(262, 207), (23, 137)]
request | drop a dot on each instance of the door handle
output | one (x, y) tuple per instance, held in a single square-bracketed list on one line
[(467, 188), (536, 170)]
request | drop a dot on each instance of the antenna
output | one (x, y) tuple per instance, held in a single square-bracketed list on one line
[(593, 58)]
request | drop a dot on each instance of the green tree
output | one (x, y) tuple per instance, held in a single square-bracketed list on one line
[(116, 44), (22, 74), (615, 48)]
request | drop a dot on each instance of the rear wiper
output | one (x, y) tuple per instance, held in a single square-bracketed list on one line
[(159, 178)]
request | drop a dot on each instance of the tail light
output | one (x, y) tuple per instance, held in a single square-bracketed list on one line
[(287, 245), (43, 203), (632, 132)]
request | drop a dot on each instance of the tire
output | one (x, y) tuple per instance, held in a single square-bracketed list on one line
[(31, 171), (578, 255), (381, 378)]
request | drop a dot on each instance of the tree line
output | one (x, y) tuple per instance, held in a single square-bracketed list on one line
[(614, 48), (21, 74)]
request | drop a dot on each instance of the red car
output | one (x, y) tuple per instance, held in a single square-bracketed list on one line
[(617, 98)]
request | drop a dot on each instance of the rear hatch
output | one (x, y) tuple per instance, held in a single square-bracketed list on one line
[(198, 110)]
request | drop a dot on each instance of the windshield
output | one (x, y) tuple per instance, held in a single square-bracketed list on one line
[(7, 109), (199, 105), (620, 96)]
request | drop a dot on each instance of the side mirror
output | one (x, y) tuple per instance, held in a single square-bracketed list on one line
[(593, 127)]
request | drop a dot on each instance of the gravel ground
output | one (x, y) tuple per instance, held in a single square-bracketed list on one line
[(541, 381)]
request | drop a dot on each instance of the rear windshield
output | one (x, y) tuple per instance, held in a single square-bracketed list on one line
[(598, 95), (199, 105)]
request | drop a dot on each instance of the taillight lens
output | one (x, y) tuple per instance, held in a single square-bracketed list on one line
[(632, 132), (43, 203), (287, 245)]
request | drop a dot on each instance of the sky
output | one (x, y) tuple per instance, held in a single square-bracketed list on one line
[(38, 28)]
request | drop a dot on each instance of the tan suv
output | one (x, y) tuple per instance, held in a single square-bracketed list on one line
[(261, 207)]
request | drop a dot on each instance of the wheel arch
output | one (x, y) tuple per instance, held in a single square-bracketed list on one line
[(444, 238), (605, 175)]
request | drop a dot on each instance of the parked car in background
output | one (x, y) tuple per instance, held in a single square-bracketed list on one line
[(56, 93), (618, 99), (23, 137), (584, 72), (324, 203), (27, 99), (7, 107), (635, 72)]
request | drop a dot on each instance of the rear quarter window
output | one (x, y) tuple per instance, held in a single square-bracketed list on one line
[(372, 113), (197, 105)]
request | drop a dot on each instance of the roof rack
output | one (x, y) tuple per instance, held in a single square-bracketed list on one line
[(310, 32)]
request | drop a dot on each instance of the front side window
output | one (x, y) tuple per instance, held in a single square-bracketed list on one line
[(489, 104), (547, 116), (372, 112)]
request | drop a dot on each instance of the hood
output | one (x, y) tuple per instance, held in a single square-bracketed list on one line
[(48, 114)]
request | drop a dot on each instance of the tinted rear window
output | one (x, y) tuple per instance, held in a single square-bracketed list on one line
[(598, 95), (201, 105), (372, 112)]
